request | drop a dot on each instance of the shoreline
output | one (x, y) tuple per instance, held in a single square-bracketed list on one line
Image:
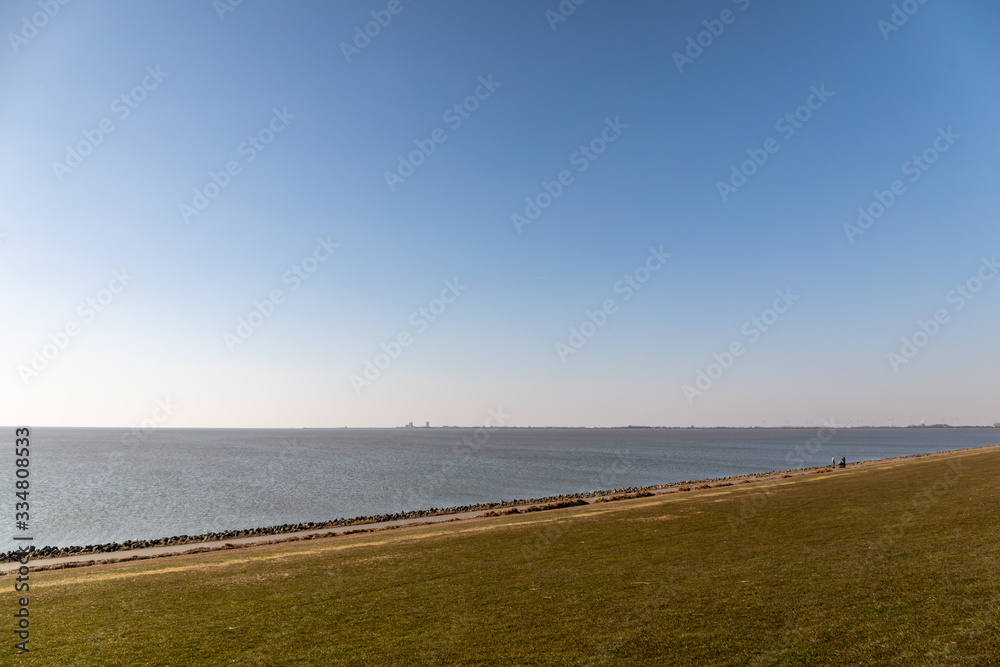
[(78, 556)]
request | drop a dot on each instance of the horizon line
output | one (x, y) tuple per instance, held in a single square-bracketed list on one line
[(498, 428)]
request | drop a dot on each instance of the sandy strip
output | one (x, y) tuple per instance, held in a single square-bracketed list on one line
[(407, 537)]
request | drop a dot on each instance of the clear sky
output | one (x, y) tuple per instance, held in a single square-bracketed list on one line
[(358, 189)]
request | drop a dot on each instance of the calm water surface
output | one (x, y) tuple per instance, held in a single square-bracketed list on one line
[(91, 485)]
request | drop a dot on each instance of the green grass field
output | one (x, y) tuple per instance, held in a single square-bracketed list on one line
[(895, 563)]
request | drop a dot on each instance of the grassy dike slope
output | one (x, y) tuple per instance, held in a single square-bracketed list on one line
[(894, 563)]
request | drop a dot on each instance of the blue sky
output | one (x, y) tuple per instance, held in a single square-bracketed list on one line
[(836, 352)]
